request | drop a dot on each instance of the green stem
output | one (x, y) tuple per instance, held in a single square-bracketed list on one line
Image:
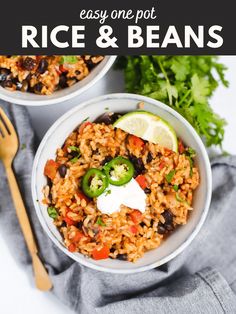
[(184, 97), (167, 80)]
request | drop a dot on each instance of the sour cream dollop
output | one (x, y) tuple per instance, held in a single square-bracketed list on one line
[(130, 195)]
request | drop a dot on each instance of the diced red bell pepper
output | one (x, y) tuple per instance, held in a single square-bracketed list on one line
[(50, 169), (83, 125), (81, 196), (162, 164), (181, 147), (136, 216), (103, 253), (68, 220), (167, 152), (141, 181), (133, 229), (78, 235), (136, 141), (63, 69), (72, 247)]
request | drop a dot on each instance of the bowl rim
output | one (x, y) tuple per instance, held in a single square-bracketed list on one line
[(51, 101), (197, 227)]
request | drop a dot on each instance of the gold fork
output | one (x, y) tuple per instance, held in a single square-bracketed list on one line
[(8, 149)]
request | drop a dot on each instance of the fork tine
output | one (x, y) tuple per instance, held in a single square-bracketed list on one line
[(7, 122)]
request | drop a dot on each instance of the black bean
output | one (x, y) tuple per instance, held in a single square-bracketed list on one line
[(28, 77), (108, 118), (169, 227), (38, 88), (147, 190), (49, 182), (112, 249), (168, 216), (73, 154), (79, 225), (28, 64), (152, 222), (50, 197), (106, 160), (62, 170), (90, 64), (138, 165), (63, 81), (43, 66), (4, 74), (149, 157), (24, 86), (63, 224), (161, 228), (122, 257), (7, 84)]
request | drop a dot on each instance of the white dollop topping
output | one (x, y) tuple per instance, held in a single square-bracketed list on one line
[(130, 195)]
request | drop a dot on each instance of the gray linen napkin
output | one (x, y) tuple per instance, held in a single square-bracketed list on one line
[(200, 280)]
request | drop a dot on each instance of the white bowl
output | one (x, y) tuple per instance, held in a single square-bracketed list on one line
[(55, 138), (30, 99)]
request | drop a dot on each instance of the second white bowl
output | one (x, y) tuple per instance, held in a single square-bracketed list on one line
[(30, 99)]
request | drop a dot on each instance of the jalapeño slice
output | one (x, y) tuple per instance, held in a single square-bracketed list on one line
[(94, 182), (119, 171)]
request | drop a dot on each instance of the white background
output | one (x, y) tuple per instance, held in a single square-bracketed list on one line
[(17, 292)]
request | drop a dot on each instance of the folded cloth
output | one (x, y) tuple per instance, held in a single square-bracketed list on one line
[(200, 280)]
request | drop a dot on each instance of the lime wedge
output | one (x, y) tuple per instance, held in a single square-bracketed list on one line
[(149, 127)]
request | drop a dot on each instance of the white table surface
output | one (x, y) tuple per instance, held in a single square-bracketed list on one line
[(17, 292)]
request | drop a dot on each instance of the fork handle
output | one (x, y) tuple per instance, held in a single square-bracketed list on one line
[(42, 278)]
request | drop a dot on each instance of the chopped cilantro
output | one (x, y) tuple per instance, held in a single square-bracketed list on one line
[(190, 153), (170, 176), (178, 198), (75, 159), (52, 212), (100, 222), (74, 148), (176, 187), (68, 59)]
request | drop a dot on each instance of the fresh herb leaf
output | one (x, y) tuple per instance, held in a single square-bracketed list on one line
[(75, 159), (190, 153), (52, 212), (100, 222), (170, 176), (23, 146), (74, 148), (178, 198), (185, 83), (176, 187), (68, 59)]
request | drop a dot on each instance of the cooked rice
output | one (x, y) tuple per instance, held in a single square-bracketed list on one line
[(96, 142)]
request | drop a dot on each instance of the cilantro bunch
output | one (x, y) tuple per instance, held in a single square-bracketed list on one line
[(185, 83)]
